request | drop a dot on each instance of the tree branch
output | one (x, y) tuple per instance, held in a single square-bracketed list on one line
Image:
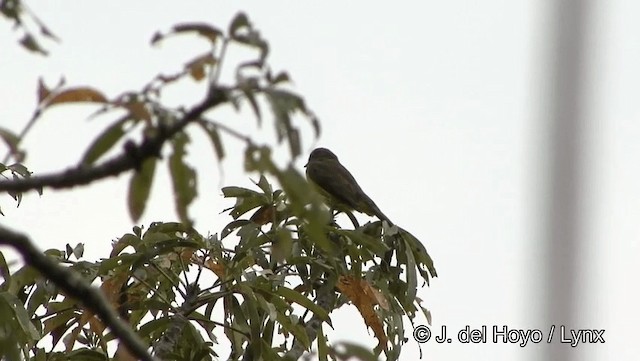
[(75, 286), (131, 158)]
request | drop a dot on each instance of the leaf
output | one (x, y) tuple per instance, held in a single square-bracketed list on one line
[(18, 316), (196, 67), (43, 91), (264, 215), (232, 226), (77, 95), (295, 296), (353, 288), (30, 43), (183, 177), (104, 142), (206, 30), (21, 169), (249, 94), (372, 243), (283, 104), (420, 255), (282, 77), (140, 188), (239, 192), (263, 183), (10, 139), (323, 348), (240, 21), (412, 278), (5, 273), (214, 136)]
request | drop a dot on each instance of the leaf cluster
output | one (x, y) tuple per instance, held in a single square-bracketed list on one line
[(258, 283)]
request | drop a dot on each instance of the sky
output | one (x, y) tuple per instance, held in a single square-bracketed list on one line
[(437, 108)]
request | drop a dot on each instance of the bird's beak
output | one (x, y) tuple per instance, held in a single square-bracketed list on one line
[(306, 165)]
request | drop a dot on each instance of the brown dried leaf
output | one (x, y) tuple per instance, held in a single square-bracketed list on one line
[(111, 289), (77, 95), (264, 215), (217, 268), (196, 67), (354, 288), (187, 254), (138, 110)]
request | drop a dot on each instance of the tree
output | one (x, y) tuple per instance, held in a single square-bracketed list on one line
[(269, 280)]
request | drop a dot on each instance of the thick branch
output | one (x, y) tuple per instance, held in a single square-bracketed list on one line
[(73, 285), (131, 158)]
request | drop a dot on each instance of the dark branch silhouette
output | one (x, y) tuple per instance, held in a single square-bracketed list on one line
[(131, 158), (73, 285)]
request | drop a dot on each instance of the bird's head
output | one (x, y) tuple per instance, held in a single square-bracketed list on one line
[(321, 154)]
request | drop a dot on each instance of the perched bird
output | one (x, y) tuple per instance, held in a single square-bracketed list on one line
[(338, 186)]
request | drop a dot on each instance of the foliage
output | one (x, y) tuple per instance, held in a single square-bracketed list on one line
[(264, 271), (266, 282)]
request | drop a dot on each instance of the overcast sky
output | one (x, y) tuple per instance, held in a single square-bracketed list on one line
[(436, 107)]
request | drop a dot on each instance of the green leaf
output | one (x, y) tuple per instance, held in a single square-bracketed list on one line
[(352, 350), (30, 43), (280, 78), (420, 254), (283, 104), (25, 276), (233, 226), (13, 311), (323, 348), (183, 177), (156, 327), (214, 136), (20, 168), (140, 188), (239, 22), (249, 94), (412, 277), (4, 273), (263, 183), (10, 139), (295, 296), (373, 244), (105, 141), (239, 192), (86, 355)]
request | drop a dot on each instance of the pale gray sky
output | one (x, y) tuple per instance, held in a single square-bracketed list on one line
[(437, 108)]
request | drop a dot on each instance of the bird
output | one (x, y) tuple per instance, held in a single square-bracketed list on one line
[(338, 186)]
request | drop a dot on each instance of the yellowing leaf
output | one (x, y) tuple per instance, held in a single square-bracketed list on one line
[(196, 67), (217, 268), (354, 289), (77, 95)]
